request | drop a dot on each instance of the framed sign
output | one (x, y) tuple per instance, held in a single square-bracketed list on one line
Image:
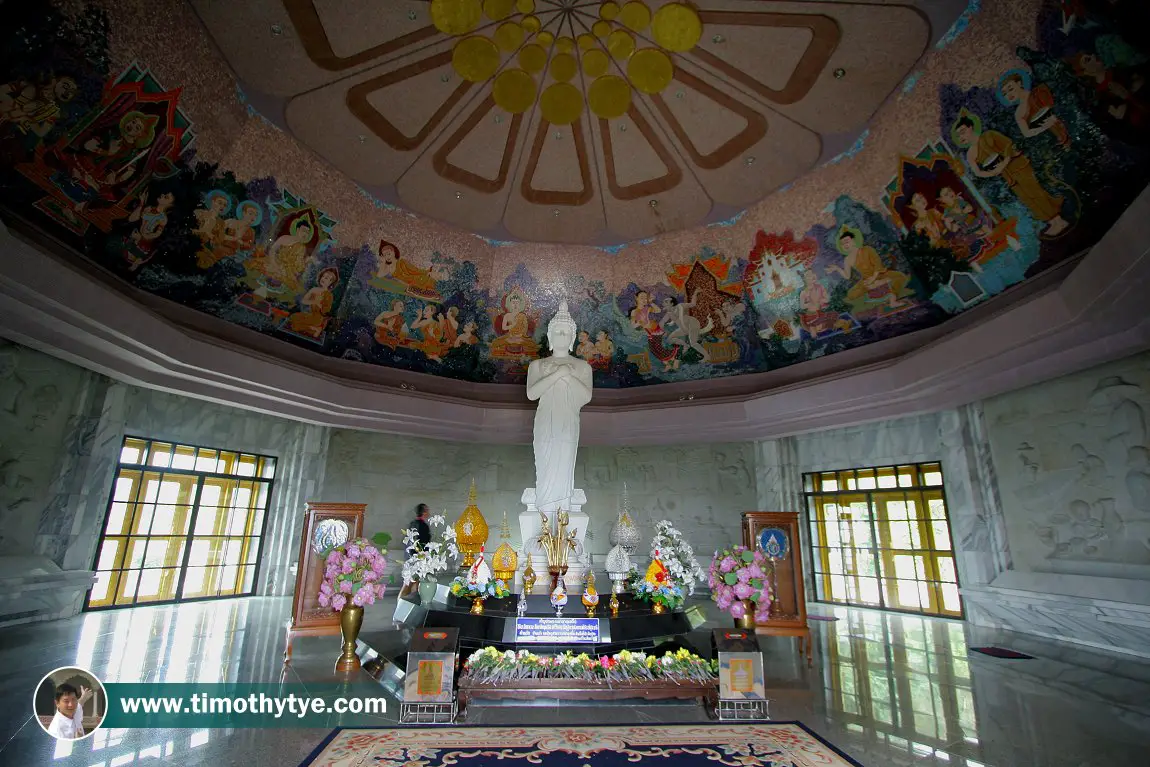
[(776, 534), (325, 525), (429, 677)]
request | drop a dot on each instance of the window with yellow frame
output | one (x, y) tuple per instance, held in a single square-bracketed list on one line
[(880, 537), (183, 523)]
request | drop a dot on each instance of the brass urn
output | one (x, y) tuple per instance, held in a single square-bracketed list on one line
[(470, 530)]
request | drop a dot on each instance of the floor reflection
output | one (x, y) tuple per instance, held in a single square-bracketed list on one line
[(887, 689)]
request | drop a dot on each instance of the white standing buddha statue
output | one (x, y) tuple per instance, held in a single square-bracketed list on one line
[(562, 385)]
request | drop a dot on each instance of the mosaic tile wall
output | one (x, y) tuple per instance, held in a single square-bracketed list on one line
[(1017, 144)]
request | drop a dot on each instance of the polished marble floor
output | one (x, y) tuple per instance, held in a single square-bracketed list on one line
[(887, 689)]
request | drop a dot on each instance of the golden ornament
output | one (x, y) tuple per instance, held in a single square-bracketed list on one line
[(470, 530), (506, 561)]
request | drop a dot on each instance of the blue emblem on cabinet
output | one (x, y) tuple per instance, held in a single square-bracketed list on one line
[(774, 542)]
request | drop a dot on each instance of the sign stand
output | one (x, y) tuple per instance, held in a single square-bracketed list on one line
[(429, 685), (742, 686)]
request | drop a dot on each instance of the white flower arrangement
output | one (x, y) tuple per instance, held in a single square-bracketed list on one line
[(428, 562), (677, 556)]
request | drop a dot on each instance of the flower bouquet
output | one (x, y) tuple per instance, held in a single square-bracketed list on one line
[(425, 562), (462, 588), (667, 594), (677, 556), (490, 666), (352, 575), (739, 575)]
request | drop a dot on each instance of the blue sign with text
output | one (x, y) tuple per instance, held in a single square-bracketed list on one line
[(557, 630)]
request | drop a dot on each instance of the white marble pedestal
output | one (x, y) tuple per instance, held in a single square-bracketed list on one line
[(531, 525)]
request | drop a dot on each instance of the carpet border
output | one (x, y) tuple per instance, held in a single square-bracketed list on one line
[(315, 752)]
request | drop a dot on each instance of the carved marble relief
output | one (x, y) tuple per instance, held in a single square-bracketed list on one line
[(1073, 460)]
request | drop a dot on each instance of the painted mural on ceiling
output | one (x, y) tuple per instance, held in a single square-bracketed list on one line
[(1019, 169)]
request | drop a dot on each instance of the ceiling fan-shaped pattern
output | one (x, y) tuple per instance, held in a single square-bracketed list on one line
[(720, 119)]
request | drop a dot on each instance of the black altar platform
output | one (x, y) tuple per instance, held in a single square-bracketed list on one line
[(636, 628)]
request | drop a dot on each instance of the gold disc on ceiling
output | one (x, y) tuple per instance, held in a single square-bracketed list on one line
[(561, 103), (498, 9), (545, 38), (621, 44), (677, 27), (601, 28), (608, 11), (509, 36), (609, 97), (532, 24), (514, 90), (565, 44), (650, 70), (635, 15), (563, 67), (525, 6), (475, 59), (596, 63), (533, 58), (456, 17), (586, 41)]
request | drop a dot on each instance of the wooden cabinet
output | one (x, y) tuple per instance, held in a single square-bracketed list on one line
[(776, 534), (325, 525)]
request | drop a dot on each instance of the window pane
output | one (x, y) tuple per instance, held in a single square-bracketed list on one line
[(899, 535), (133, 451), (98, 596), (268, 468), (252, 552), (829, 483), (932, 474), (126, 486), (194, 582), (886, 477), (249, 579), (161, 454), (127, 591), (946, 571), (950, 600), (110, 552), (941, 533), (184, 457), (866, 479), (207, 460), (247, 466)]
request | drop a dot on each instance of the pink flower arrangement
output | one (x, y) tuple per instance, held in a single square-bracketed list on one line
[(352, 575), (739, 574)]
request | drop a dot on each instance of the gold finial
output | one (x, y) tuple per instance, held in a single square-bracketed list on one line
[(505, 528), (471, 493)]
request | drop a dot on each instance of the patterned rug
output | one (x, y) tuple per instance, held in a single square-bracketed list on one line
[(773, 744)]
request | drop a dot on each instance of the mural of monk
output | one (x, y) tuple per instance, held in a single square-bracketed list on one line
[(1034, 112), (876, 283), (992, 154), (395, 274), (315, 305)]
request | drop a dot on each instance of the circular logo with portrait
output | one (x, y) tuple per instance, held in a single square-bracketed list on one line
[(70, 703), (775, 542)]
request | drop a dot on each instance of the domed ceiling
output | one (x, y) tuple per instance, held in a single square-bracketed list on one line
[(571, 120), (717, 188)]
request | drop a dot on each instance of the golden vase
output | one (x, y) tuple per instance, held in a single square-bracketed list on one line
[(658, 608), (477, 606), (350, 622), (748, 620)]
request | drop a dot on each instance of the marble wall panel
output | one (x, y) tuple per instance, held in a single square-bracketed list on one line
[(41, 408), (942, 436), (702, 489)]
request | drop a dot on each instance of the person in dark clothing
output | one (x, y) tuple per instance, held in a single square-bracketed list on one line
[(422, 536)]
